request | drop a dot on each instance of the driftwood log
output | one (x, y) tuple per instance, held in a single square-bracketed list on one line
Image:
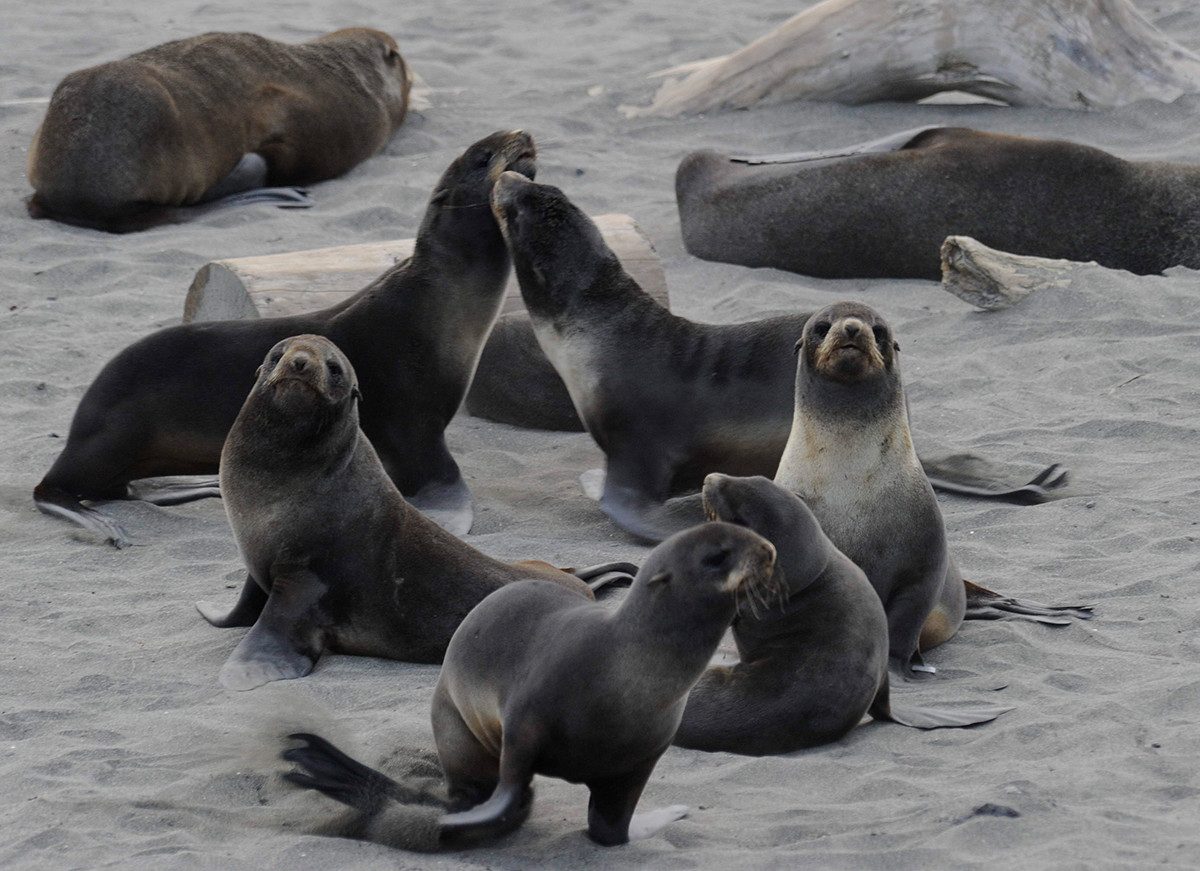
[(1075, 54), (514, 383), (994, 280)]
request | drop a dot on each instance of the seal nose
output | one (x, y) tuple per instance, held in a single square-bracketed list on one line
[(852, 328), (299, 360)]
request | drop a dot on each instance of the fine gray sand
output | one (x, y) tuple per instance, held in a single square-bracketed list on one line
[(118, 749)]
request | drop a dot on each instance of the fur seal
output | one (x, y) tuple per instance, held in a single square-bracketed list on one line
[(537, 681), (667, 400), (812, 663), (336, 559), (882, 209), (163, 405), (850, 457), (197, 119)]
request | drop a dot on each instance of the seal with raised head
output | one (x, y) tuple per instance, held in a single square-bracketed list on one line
[(810, 664), (336, 559), (882, 209), (198, 119), (537, 681), (163, 405), (850, 457), (668, 400)]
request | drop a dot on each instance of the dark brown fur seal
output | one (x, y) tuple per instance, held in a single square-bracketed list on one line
[(164, 404), (882, 209), (336, 559), (812, 663), (850, 457), (201, 118), (537, 681), (667, 400)]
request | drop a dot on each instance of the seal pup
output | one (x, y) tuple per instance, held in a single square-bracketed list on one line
[(850, 457), (163, 405), (199, 119), (537, 681), (882, 209), (812, 663), (667, 400), (336, 559)]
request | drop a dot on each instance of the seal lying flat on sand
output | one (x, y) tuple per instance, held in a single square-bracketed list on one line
[(812, 663), (202, 118), (666, 399), (537, 681), (336, 559), (882, 209), (850, 457), (164, 404)]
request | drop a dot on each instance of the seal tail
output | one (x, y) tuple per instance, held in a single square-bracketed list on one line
[(984, 604), (57, 502)]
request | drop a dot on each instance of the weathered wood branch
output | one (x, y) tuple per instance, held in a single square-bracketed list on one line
[(1074, 54), (994, 280)]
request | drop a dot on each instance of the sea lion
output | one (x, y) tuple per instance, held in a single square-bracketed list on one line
[(197, 119), (667, 400), (882, 209), (850, 457), (537, 681), (812, 663), (336, 559), (163, 405)]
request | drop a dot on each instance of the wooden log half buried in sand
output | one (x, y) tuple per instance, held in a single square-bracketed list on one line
[(994, 280), (515, 383), (1075, 54)]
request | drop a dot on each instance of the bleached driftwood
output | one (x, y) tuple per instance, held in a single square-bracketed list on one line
[(1062, 53), (515, 383), (994, 280)]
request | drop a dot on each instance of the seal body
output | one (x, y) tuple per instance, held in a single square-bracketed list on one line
[(164, 404), (166, 126), (883, 209), (537, 681), (336, 559)]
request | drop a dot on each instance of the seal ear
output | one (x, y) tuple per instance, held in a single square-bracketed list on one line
[(896, 347), (660, 578), (355, 393), (799, 344)]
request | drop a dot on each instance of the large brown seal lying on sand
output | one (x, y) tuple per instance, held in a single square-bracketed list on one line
[(537, 681), (813, 662), (667, 400), (198, 119), (882, 209), (336, 559), (164, 404), (850, 457)]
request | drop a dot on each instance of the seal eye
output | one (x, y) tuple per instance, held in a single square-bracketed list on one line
[(276, 357), (486, 158), (335, 372), (821, 330), (716, 559), (881, 336)]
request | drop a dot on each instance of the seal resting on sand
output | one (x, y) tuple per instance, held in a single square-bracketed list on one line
[(199, 119), (163, 405), (336, 559), (538, 681)]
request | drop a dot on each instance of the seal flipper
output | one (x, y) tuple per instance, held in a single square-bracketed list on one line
[(247, 184), (332, 772), (930, 718), (285, 641), (249, 606), (984, 604), (611, 820), (953, 474), (507, 808), (448, 505), (57, 502), (905, 139), (627, 498), (175, 491)]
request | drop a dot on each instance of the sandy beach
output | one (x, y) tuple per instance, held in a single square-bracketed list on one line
[(118, 748)]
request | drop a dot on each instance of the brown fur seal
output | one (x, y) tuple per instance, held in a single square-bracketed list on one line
[(336, 559), (537, 681), (850, 457), (164, 404), (667, 400), (810, 664), (882, 209), (201, 118)]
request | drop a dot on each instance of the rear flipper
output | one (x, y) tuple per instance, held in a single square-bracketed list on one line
[(175, 490), (637, 513), (249, 606), (246, 184), (606, 575), (893, 142), (447, 505), (504, 812), (983, 604), (930, 718), (59, 503), (969, 475)]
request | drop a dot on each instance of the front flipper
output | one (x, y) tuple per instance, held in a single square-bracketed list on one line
[(330, 771), (286, 640), (626, 498), (893, 142), (247, 610), (174, 491), (246, 184), (448, 505), (611, 820), (57, 502), (940, 718), (969, 475), (984, 604)]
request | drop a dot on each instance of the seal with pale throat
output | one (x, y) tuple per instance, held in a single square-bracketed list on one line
[(850, 457), (163, 405), (882, 209), (216, 115), (336, 559), (813, 662), (537, 681), (668, 400)]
